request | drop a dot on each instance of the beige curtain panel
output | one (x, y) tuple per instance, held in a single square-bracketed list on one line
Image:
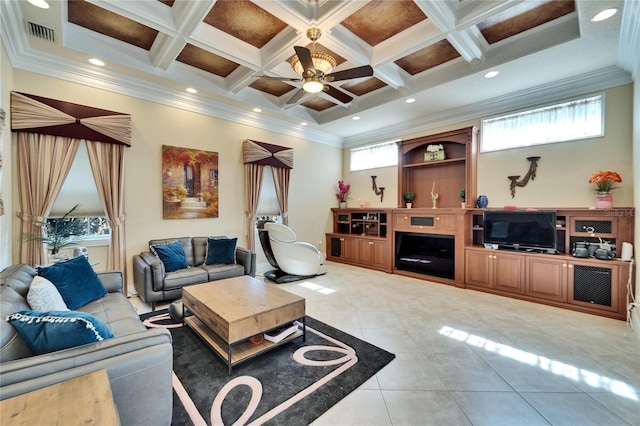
[(36, 114), (252, 186), (43, 164)]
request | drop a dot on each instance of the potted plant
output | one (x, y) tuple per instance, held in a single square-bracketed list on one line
[(343, 192), (462, 194), (408, 198), (58, 234)]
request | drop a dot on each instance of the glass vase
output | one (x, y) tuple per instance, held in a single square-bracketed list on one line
[(604, 200)]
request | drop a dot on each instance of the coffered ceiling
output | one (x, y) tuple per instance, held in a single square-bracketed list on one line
[(433, 51)]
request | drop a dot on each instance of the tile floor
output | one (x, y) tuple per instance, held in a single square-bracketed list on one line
[(468, 358)]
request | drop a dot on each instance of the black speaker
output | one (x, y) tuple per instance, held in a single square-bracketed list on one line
[(592, 285), (593, 226)]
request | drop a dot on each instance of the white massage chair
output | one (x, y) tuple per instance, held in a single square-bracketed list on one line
[(295, 260)]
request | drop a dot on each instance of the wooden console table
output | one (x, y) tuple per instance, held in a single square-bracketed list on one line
[(85, 400)]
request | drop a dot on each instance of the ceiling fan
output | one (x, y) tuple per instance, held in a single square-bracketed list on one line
[(315, 70)]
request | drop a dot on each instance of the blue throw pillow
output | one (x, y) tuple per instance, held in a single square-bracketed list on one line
[(46, 332), (221, 250), (76, 281), (171, 255)]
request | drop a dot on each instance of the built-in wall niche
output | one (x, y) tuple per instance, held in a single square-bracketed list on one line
[(421, 172)]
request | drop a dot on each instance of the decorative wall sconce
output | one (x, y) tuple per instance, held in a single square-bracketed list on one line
[(531, 174), (376, 190)]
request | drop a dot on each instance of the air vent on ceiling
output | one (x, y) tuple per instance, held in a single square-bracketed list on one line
[(40, 31)]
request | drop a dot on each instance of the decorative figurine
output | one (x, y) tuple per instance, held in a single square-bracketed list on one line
[(434, 196)]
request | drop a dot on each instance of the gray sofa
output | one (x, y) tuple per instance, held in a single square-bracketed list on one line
[(139, 362), (154, 285)]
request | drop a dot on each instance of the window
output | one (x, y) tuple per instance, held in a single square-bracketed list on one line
[(373, 156), (82, 226), (577, 119), (88, 221)]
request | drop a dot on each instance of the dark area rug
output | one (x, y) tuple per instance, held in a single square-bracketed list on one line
[(291, 385)]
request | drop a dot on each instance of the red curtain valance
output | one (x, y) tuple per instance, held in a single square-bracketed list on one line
[(35, 114)]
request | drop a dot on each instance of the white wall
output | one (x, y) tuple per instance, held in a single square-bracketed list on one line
[(316, 167), (563, 170)]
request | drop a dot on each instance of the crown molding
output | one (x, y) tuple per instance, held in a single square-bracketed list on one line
[(629, 46), (589, 82)]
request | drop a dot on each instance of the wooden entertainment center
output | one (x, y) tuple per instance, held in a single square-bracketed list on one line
[(445, 244)]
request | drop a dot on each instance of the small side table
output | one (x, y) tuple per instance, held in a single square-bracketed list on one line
[(85, 400)]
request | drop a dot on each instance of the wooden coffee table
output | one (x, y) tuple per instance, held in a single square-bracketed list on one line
[(226, 313)]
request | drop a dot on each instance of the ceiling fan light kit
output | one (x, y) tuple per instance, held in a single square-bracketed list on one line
[(321, 61), (314, 69), (313, 86)]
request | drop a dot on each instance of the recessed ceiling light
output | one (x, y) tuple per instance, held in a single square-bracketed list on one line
[(303, 123), (491, 74), (355, 118), (257, 110), (191, 90), (410, 100), (96, 61), (605, 14), (42, 4)]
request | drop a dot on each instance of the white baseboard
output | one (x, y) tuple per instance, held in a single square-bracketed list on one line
[(635, 323)]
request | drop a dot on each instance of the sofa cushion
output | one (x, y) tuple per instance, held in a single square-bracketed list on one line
[(46, 332), (117, 312), (171, 255), (221, 271), (221, 250), (183, 277), (44, 296), (76, 281)]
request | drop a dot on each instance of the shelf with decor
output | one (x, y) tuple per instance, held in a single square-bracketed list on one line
[(360, 237), (444, 162)]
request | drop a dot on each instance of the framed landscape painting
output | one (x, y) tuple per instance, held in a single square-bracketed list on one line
[(189, 183)]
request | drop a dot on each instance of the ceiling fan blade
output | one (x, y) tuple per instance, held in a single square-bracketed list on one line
[(339, 95), (296, 97), (363, 71), (304, 55), (268, 77)]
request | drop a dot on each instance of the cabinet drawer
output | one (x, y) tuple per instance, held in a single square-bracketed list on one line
[(212, 320), (445, 221), (401, 220)]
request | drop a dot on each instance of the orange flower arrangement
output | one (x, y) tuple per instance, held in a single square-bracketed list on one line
[(604, 180)]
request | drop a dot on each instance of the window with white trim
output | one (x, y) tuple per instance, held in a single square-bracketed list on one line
[(576, 119), (383, 154)]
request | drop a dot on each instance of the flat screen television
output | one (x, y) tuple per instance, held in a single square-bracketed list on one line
[(521, 230)]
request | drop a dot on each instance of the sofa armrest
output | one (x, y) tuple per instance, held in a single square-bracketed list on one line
[(246, 258), (135, 364), (111, 280), (148, 274)]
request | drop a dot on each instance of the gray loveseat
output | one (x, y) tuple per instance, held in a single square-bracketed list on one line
[(139, 362), (154, 284)]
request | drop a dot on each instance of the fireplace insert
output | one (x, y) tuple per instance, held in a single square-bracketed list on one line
[(429, 254)]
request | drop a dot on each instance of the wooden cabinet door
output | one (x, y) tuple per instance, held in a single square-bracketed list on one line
[(547, 278), (381, 255), (365, 251), (349, 249), (508, 272), (374, 253), (594, 285), (477, 267)]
